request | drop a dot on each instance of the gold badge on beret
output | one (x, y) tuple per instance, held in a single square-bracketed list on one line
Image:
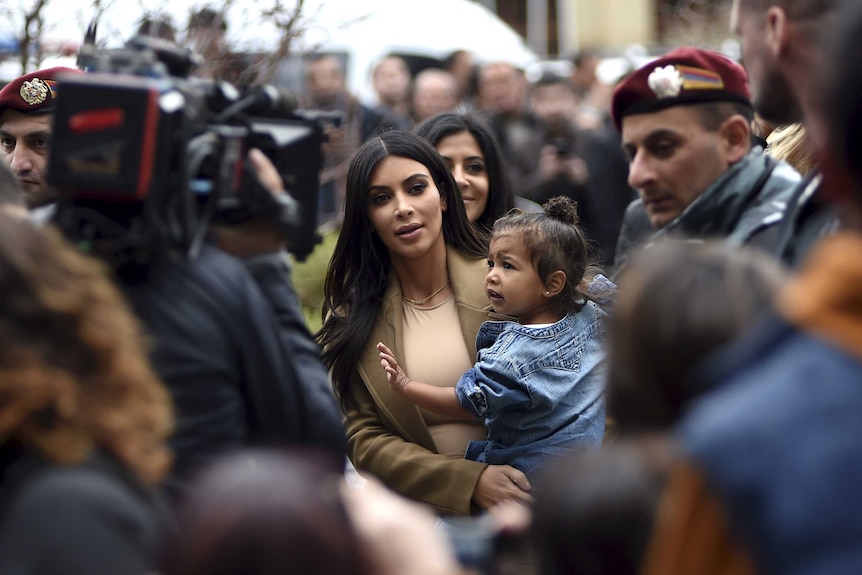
[(34, 91)]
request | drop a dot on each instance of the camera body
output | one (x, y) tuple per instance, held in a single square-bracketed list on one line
[(137, 135)]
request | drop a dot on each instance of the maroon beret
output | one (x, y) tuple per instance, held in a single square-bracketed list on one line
[(683, 76), (33, 93)]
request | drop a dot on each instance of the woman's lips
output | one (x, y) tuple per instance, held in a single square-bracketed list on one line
[(408, 231)]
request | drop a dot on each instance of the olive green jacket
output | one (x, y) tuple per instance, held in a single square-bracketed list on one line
[(387, 435)]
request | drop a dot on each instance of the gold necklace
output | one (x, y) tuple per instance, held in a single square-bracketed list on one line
[(422, 301)]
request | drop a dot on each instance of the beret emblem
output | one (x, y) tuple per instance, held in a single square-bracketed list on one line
[(34, 92)]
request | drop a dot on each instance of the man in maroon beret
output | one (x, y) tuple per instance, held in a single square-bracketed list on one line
[(26, 104), (685, 121)]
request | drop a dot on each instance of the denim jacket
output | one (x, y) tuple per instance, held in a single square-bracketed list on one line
[(540, 390)]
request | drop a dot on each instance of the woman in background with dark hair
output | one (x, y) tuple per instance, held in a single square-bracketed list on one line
[(409, 269), (83, 419), (470, 149)]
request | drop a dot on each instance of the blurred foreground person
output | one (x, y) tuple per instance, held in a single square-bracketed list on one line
[(269, 513), (83, 419), (677, 302), (262, 512), (594, 510), (779, 444)]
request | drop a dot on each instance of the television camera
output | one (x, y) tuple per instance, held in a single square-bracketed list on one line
[(165, 154)]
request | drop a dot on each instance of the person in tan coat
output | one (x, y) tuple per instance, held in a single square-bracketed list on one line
[(409, 269)]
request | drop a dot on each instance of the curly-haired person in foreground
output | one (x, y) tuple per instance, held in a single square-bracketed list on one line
[(83, 419)]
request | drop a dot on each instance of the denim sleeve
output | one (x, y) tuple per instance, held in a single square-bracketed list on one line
[(492, 386)]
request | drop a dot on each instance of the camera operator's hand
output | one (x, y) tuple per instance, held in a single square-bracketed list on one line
[(258, 236)]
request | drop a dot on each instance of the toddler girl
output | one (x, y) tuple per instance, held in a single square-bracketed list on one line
[(537, 382)]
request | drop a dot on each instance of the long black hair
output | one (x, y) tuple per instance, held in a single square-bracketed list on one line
[(358, 272), (500, 196)]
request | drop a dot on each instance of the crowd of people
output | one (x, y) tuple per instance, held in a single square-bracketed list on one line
[(561, 328)]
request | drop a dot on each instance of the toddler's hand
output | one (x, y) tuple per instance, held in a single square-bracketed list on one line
[(398, 380)]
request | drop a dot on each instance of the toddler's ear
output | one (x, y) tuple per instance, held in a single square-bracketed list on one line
[(555, 283)]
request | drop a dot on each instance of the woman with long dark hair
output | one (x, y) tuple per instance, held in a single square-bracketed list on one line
[(470, 149), (408, 268)]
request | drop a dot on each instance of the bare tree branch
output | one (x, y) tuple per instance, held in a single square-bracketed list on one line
[(290, 24), (32, 29)]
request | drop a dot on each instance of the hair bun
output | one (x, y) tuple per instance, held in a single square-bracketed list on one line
[(562, 208)]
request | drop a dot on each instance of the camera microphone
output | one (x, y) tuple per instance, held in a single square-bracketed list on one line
[(264, 101)]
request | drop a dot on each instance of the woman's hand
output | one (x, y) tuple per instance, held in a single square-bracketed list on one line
[(396, 377), (500, 484)]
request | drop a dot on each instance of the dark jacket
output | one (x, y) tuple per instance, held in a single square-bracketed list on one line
[(240, 366), (93, 518), (807, 218)]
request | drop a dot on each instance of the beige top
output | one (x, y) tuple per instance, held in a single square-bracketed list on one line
[(435, 353)]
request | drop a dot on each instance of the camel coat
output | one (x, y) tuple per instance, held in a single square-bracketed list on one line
[(387, 435)]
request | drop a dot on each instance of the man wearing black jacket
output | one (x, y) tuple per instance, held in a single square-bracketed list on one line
[(230, 344)]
